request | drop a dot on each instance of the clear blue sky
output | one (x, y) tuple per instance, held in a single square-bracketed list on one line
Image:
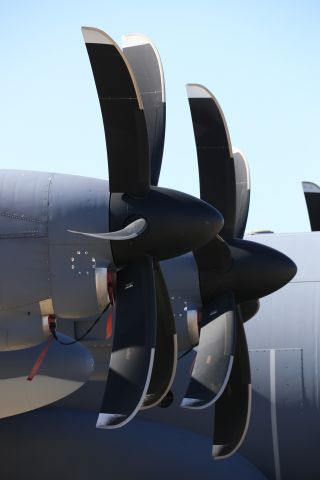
[(261, 59)]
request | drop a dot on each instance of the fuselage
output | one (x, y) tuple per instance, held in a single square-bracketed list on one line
[(284, 347), (48, 270)]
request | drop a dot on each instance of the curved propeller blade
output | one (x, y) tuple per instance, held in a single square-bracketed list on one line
[(133, 345), (122, 112), (169, 224), (312, 196), (63, 371), (232, 410), (214, 152), (166, 352), (132, 230), (237, 266), (215, 354), (146, 64), (242, 178)]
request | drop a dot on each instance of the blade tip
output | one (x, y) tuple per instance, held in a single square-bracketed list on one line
[(95, 35), (134, 40), (110, 420), (188, 402), (217, 452), (195, 90), (310, 187)]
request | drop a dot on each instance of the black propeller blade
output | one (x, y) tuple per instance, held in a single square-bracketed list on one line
[(242, 178), (232, 409), (134, 344), (312, 196), (166, 351), (214, 359), (122, 112), (146, 64), (241, 270), (147, 224)]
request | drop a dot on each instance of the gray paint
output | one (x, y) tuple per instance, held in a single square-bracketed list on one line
[(22, 328), (23, 239), (35, 245), (287, 326), (76, 203), (36, 250), (63, 371)]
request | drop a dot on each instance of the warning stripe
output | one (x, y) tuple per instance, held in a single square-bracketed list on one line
[(40, 359)]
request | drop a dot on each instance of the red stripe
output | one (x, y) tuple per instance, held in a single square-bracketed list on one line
[(39, 360), (109, 325)]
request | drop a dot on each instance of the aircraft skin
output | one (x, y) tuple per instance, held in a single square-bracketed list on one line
[(38, 209), (283, 342), (284, 354)]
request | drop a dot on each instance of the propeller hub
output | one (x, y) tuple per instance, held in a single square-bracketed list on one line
[(176, 224), (256, 271)]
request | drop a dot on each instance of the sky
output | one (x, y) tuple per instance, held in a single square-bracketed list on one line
[(260, 59)]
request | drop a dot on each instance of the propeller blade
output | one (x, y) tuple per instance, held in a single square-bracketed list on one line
[(132, 230), (214, 152), (166, 352), (63, 371), (312, 195), (215, 354), (242, 176), (122, 112), (133, 346), (213, 260), (232, 410), (146, 65)]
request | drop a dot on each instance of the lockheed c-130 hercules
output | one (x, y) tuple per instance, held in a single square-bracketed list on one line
[(165, 271)]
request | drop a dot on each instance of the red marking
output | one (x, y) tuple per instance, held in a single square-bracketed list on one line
[(111, 293), (109, 325), (40, 359)]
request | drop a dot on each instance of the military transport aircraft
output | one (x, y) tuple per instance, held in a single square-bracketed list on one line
[(144, 291)]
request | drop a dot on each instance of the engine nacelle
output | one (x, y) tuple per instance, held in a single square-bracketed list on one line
[(41, 261), (21, 329)]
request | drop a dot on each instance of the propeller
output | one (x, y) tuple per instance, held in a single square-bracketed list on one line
[(147, 224), (146, 65), (312, 195), (233, 274)]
